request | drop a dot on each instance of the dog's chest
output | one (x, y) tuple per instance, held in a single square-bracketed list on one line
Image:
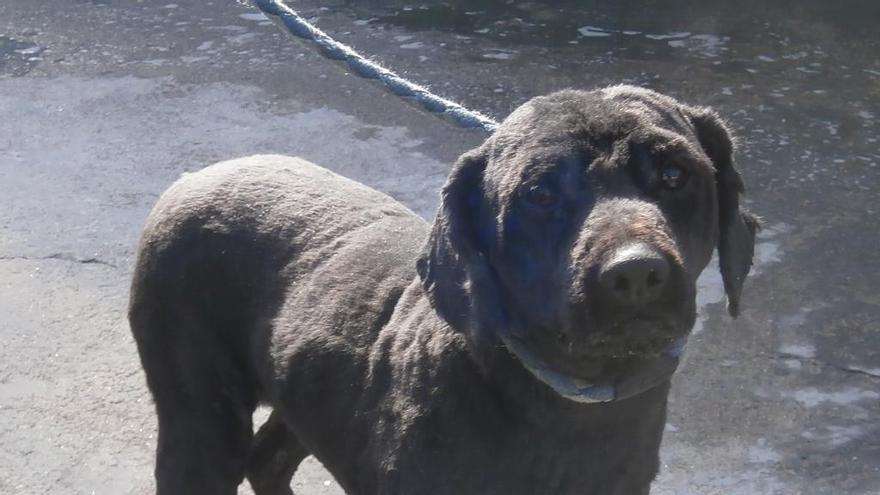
[(494, 455)]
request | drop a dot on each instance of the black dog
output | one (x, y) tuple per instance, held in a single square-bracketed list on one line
[(526, 349)]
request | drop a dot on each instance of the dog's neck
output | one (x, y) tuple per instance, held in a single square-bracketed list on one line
[(566, 386), (488, 345), (578, 390)]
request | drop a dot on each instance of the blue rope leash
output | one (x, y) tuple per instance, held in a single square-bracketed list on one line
[(283, 15)]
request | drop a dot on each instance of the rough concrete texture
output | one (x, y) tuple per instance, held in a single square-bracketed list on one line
[(103, 103)]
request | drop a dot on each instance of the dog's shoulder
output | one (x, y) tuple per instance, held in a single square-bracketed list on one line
[(271, 221)]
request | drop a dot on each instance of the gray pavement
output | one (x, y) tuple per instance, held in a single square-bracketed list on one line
[(104, 103)]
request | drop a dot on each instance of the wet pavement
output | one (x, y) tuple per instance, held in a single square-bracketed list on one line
[(103, 103)]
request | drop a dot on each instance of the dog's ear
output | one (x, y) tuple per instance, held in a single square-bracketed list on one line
[(453, 265), (737, 227)]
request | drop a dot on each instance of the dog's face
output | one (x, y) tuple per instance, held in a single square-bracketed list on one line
[(580, 227)]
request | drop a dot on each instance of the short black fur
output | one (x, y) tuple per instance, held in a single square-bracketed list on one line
[(377, 340)]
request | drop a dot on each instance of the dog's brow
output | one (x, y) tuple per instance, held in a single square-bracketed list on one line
[(678, 149), (541, 162)]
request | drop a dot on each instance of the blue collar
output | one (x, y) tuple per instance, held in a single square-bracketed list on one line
[(581, 391)]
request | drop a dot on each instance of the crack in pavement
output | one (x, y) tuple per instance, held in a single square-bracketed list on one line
[(845, 369), (61, 257)]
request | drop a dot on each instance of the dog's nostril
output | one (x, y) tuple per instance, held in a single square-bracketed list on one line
[(635, 274)]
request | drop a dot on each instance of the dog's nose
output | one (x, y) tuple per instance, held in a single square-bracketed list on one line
[(635, 275)]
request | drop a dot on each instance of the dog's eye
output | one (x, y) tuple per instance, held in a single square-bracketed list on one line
[(673, 177), (541, 195)]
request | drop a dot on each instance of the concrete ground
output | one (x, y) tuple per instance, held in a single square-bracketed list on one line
[(104, 103)]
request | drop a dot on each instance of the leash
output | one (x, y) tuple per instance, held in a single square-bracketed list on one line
[(292, 23)]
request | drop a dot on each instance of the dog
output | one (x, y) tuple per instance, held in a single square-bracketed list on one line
[(522, 344)]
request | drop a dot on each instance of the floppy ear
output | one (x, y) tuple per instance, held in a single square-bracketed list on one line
[(453, 266), (737, 227)]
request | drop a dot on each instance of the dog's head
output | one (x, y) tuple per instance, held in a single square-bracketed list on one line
[(576, 233)]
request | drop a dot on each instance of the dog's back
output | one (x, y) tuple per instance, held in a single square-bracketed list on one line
[(228, 254)]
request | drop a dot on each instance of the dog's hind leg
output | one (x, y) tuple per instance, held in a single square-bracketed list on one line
[(275, 455), (203, 400)]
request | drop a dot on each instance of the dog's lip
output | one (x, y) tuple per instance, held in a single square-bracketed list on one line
[(642, 322), (640, 338), (598, 364)]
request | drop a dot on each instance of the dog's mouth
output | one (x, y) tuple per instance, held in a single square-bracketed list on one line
[(609, 370), (632, 338)]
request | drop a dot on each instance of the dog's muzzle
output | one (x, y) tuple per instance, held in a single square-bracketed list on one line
[(652, 372)]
